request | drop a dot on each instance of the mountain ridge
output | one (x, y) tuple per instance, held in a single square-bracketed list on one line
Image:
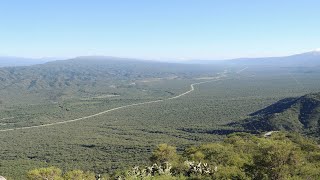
[(53, 79), (305, 57)]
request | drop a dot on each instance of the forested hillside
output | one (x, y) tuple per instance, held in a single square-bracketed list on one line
[(85, 77), (301, 114)]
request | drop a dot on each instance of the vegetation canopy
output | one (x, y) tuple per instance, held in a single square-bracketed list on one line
[(240, 156)]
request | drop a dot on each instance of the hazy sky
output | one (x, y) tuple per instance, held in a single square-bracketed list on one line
[(190, 29)]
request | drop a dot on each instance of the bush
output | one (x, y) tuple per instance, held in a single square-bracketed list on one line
[(50, 173), (164, 153), (79, 175), (239, 157)]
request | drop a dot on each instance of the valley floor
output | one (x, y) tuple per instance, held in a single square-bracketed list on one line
[(126, 136)]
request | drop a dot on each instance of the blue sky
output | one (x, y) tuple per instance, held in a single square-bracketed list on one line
[(159, 29)]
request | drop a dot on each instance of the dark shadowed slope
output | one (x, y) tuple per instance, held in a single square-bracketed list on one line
[(300, 114)]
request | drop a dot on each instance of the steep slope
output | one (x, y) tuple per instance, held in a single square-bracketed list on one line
[(292, 114)]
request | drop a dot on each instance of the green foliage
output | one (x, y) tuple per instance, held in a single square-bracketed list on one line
[(242, 156), (53, 173), (275, 160), (239, 157), (50, 173), (299, 114), (164, 153), (124, 138), (79, 175), (230, 172)]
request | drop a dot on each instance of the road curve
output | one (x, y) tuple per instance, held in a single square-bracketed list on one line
[(114, 109)]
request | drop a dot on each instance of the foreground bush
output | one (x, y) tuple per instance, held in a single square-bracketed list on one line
[(53, 173), (50, 173), (240, 156)]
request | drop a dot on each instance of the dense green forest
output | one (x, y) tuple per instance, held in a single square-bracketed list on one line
[(120, 139), (276, 156)]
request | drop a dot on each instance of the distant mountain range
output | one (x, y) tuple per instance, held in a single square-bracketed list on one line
[(308, 59), (300, 114), (6, 61), (78, 76)]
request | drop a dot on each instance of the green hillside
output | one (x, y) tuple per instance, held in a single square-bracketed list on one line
[(300, 114), (85, 77)]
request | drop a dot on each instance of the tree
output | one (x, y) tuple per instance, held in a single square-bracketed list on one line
[(164, 153), (275, 160)]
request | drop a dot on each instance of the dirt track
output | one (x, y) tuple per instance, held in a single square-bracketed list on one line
[(114, 109)]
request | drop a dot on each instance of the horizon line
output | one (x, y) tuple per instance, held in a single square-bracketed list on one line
[(52, 58)]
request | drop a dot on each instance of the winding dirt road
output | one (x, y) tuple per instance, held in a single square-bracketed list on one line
[(117, 108)]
